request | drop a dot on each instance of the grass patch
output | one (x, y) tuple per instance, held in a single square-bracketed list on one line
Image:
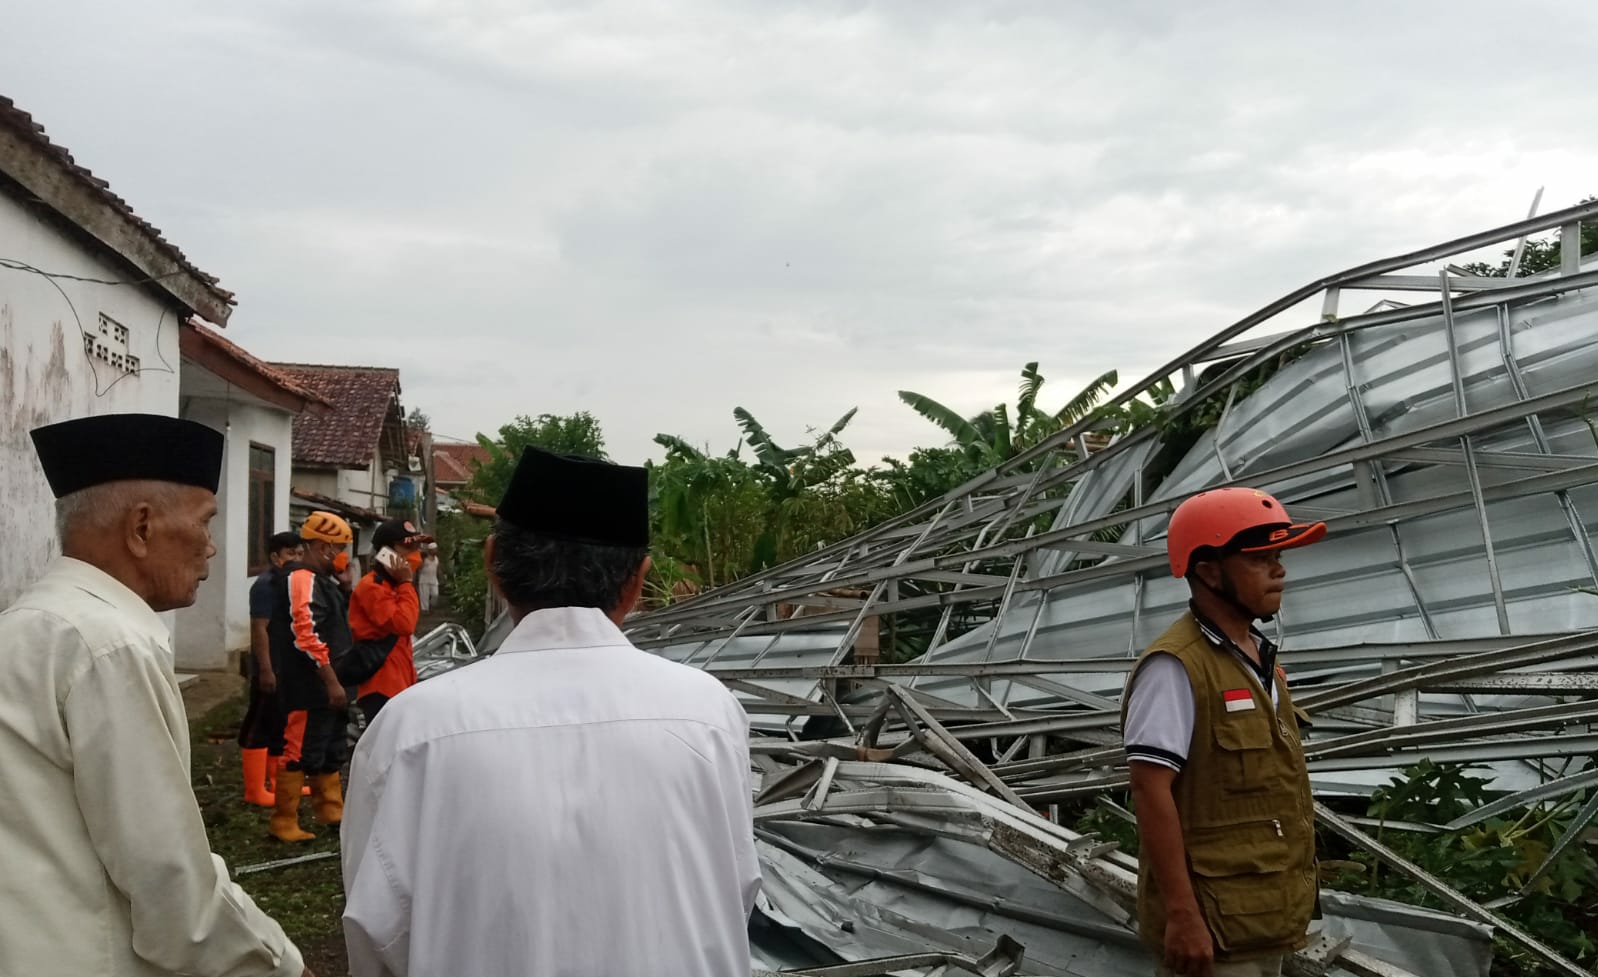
[(306, 900)]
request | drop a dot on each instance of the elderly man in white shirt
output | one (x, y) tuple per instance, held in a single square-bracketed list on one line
[(105, 870), (572, 805)]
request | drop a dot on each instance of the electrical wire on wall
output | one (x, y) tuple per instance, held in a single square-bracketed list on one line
[(85, 337)]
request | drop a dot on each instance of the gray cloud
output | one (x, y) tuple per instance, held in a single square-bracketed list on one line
[(658, 212)]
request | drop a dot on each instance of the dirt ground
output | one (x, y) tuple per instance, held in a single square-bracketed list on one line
[(307, 900), (207, 690)]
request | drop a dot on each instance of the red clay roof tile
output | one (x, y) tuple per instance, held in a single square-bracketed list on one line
[(362, 398)]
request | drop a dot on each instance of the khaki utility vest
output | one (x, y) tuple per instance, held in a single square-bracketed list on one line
[(1243, 798)]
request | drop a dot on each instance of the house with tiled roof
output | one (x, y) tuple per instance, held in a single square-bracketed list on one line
[(73, 345), (453, 465), (101, 313), (228, 388), (355, 457)]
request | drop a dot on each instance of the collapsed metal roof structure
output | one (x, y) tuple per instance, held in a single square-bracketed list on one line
[(1444, 434)]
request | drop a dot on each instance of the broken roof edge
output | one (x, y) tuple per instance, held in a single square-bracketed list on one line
[(334, 505), (48, 172), (219, 355), (909, 522)]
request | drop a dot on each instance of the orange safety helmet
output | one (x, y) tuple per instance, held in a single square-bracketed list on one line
[(1233, 520), (326, 527)]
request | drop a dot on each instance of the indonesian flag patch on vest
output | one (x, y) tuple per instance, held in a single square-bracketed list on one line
[(1238, 700)]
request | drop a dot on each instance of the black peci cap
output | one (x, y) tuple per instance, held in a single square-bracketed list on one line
[(90, 451), (576, 498)]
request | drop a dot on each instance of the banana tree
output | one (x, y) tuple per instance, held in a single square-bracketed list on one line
[(794, 469), (724, 517), (709, 512), (994, 435)]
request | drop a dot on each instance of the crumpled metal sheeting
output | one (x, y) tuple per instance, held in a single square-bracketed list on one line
[(966, 895), (868, 887), (1346, 591), (1421, 941), (443, 649), (855, 924), (1403, 378), (800, 648), (1004, 960), (1446, 441)]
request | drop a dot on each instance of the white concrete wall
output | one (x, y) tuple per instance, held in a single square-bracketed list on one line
[(352, 486), (45, 376), (218, 625), (357, 485), (317, 480)]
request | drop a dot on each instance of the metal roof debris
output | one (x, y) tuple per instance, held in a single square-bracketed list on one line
[(1447, 441)]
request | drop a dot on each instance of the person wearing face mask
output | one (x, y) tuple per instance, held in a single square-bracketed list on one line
[(1227, 880), (343, 574), (309, 630), (386, 606), (107, 869)]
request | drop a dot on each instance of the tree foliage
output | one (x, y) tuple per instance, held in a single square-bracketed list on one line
[(1483, 860), (1541, 254), (722, 518), (462, 576), (565, 434)]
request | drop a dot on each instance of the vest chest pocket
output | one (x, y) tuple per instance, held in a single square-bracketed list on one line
[(1244, 749)]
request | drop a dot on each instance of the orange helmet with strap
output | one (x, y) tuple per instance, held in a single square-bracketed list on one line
[(1233, 520), (326, 527)]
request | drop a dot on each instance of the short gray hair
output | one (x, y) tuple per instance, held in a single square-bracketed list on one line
[(537, 572), (97, 508)]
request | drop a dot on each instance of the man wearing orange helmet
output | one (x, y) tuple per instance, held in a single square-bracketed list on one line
[(309, 630), (1226, 861)]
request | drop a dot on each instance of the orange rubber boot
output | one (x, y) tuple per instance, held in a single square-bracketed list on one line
[(256, 788)]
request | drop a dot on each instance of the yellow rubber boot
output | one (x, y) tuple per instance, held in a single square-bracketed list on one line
[(272, 764), (256, 789), (327, 798), (286, 811)]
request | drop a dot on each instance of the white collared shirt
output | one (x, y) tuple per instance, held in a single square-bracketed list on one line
[(105, 870), (1160, 714), (570, 806)]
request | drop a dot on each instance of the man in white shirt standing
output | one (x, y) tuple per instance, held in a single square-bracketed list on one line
[(427, 577), (572, 805), (105, 870)]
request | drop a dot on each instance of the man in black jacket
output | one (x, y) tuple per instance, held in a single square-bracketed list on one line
[(309, 629)]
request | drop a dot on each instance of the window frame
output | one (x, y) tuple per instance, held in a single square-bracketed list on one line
[(258, 511)]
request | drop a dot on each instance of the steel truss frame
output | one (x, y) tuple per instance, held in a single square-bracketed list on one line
[(1061, 546)]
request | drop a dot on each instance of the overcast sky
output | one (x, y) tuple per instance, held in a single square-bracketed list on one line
[(659, 212)]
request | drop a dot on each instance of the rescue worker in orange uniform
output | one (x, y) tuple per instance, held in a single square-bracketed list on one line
[(309, 630), (385, 604), (1226, 862)]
